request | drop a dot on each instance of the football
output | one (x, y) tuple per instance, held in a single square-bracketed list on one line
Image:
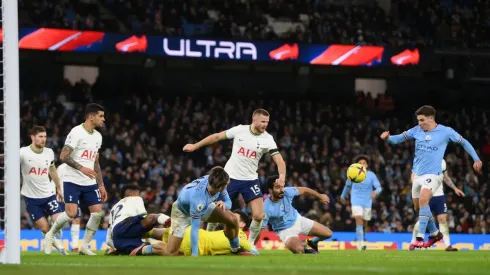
[(356, 173)]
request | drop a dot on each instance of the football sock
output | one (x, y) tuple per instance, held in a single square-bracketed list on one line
[(162, 218), (432, 227), (254, 229), (75, 235), (360, 233), (316, 240), (147, 250), (108, 238), (416, 229), (235, 244), (426, 221), (59, 223), (91, 228), (444, 228)]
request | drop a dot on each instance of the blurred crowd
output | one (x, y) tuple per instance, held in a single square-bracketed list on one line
[(404, 23), (145, 133)]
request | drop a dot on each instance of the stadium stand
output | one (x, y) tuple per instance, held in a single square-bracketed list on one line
[(146, 131)]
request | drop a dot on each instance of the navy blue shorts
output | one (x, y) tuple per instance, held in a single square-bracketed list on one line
[(87, 195), (127, 234), (438, 205), (250, 189), (40, 208)]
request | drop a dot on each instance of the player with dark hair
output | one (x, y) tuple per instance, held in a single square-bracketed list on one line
[(129, 223), (250, 143), (42, 200), (362, 199), (431, 140), (203, 199), (83, 178), (287, 222)]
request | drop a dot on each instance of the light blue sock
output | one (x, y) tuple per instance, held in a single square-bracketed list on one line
[(432, 226), (425, 216), (360, 233), (235, 243), (316, 240)]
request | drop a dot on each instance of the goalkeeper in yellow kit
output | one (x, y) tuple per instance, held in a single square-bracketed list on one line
[(213, 242)]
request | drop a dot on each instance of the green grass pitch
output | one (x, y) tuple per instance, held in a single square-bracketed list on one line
[(269, 263)]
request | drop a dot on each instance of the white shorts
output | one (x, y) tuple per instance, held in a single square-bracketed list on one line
[(430, 181), (301, 226), (361, 211), (180, 221)]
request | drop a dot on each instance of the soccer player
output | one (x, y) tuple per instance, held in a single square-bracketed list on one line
[(75, 223), (362, 199), (214, 242), (431, 140), (36, 166), (129, 223), (250, 143), (287, 222), (83, 179), (196, 202), (438, 205)]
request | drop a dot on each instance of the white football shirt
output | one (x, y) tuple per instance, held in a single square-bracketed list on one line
[(85, 147), (61, 170), (248, 149), (125, 208), (35, 172), (440, 190)]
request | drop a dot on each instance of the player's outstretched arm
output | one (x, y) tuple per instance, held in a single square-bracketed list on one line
[(305, 190), (195, 224), (456, 137), (407, 135), (53, 173), (211, 139), (346, 190)]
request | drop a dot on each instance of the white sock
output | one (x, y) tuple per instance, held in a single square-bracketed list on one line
[(212, 226), (56, 243), (444, 228), (108, 238), (254, 229), (59, 223), (416, 229), (91, 228), (75, 235), (162, 218)]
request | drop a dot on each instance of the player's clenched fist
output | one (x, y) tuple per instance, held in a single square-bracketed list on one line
[(385, 135), (324, 198), (189, 148), (477, 165)]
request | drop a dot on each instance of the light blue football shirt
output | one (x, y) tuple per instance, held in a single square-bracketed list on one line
[(281, 214)]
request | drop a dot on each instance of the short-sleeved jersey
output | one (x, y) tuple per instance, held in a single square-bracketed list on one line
[(281, 214), (194, 199), (35, 172), (430, 147), (85, 147), (248, 149), (361, 192), (127, 207), (440, 190), (210, 242), (61, 170)]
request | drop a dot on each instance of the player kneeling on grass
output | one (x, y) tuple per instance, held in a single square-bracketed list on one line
[(196, 203), (129, 223), (211, 242), (287, 222)]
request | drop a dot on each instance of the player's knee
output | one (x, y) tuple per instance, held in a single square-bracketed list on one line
[(258, 216), (441, 219), (70, 213)]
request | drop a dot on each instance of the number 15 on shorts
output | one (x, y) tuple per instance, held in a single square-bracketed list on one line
[(255, 189)]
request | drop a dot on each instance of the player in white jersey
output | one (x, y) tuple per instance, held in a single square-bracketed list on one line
[(75, 223), (83, 179), (129, 223), (36, 166), (438, 205), (250, 143)]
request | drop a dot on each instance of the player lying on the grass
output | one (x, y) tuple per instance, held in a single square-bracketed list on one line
[(129, 223), (361, 199), (438, 204), (287, 222), (210, 242), (37, 166), (196, 203)]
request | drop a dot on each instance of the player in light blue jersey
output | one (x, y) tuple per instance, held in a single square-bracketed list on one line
[(287, 222), (431, 140), (203, 199), (361, 199)]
